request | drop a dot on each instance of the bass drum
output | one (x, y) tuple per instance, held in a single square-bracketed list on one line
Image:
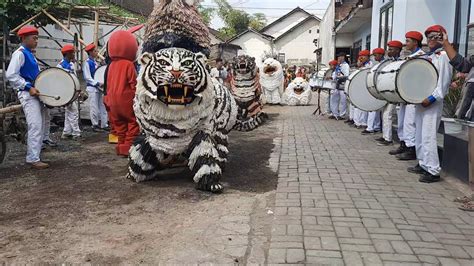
[(57, 87), (372, 79), (410, 81), (358, 94)]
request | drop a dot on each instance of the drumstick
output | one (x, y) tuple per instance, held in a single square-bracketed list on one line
[(50, 96)]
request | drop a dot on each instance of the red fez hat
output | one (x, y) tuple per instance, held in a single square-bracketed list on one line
[(435, 28), (397, 44), (414, 35), (333, 63), (90, 47), (27, 30), (364, 53), (67, 49), (378, 51)]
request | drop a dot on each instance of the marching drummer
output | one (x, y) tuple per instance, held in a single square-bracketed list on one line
[(96, 103), (406, 114), (71, 115), (360, 117), (338, 97), (394, 49), (373, 117), (428, 114), (21, 73)]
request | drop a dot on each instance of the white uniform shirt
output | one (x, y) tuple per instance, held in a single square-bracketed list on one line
[(441, 61), (13, 71)]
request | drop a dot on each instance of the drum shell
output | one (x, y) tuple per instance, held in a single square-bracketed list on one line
[(358, 94), (372, 79), (56, 81), (394, 85)]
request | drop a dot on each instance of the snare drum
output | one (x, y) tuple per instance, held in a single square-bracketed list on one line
[(356, 90), (372, 78), (57, 86), (410, 81), (99, 74)]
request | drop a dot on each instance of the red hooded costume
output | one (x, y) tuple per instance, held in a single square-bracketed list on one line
[(121, 85)]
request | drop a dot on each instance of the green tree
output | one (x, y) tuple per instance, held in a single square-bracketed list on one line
[(207, 13), (237, 21)]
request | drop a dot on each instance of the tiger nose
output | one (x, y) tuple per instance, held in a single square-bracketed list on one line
[(176, 74)]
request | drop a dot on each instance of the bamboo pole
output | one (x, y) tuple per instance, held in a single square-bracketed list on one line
[(10, 109), (66, 29), (96, 28), (26, 22)]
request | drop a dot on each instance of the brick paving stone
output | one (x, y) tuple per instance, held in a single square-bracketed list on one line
[(341, 199)]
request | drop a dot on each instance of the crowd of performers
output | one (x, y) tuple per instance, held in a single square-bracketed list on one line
[(175, 107), (417, 123)]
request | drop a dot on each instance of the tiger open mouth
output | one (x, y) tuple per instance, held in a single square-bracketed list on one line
[(242, 67), (269, 70), (298, 90), (176, 94)]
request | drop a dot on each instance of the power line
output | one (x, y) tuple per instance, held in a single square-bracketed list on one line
[(266, 8)]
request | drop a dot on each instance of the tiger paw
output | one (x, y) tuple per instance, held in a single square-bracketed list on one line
[(212, 186)]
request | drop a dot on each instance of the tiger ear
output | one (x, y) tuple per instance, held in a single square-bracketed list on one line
[(146, 58)]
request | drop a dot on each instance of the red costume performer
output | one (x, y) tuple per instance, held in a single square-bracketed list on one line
[(121, 85)]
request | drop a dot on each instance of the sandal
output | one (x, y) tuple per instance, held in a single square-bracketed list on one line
[(468, 206), (464, 199)]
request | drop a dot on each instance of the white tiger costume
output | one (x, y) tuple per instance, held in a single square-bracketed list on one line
[(297, 93), (272, 81), (245, 86), (180, 108)]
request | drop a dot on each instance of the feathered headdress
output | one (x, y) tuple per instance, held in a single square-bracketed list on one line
[(176, 23)]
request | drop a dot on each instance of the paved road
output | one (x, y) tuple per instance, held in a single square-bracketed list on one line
[(341, 199)]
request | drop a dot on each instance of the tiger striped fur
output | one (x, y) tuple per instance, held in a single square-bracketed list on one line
[(245, 86), (182, 112)]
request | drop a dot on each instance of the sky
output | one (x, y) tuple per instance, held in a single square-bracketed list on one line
[(273, 9)]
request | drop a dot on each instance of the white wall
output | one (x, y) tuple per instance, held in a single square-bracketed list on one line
[(326, 38), (298, 44), (414, 15), (362, 34), (253, 45), (286, 24), (471, 19), (50, 52), (344, 40)]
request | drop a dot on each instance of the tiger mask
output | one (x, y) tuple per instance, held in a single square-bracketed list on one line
[(175, 76), (244, 64)]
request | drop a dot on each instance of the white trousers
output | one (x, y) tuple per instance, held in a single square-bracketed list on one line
[(360, 117), (273, 97), (427, 123), (328, 105), (406, 117), (97, 107), (373, 121), (338, 103), (387, 121), (351, 111), (71, 120), (47, 124), (35, 113)]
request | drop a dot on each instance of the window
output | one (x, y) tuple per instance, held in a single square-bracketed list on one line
[(460, 35), (281, 57), (367, 42), (309, 31), (386, 25), (356, 48)]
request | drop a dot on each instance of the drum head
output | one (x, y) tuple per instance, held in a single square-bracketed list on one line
[(416, 80), (56, 82), (359, 94), (99, 74), (372, 78)]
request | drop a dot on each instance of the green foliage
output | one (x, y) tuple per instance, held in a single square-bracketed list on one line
[(207, 13), (14, 12), (237, 21)]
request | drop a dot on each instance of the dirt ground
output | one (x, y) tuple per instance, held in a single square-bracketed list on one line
[(84, 210)]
